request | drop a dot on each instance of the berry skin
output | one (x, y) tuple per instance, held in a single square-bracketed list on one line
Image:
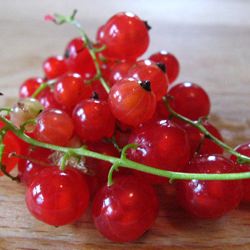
[(149, 70), (38, 159), (119, 71), (47, 99), (132, 102), (54, 126), (126, 210), (93, 120), (190, 100), (58, 198), (79, 59), (202, 144), (209, 199), (11, 145), (71, 89), (171, 63), (101, 168), (29, 87), (54, 67), (245, 150), (125, 36), (162, 145)]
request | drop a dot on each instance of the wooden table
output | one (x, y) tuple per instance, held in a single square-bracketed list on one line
[(211, 40)]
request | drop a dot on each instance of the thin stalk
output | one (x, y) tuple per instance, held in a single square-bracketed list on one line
[(60, 19), (123, 162)]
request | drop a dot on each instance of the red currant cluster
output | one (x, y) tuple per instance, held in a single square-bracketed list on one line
[(99, 108)]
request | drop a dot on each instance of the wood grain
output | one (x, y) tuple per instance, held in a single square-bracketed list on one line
[(211, 39)]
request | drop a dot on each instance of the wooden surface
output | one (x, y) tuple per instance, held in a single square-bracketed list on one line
[(211, 40)]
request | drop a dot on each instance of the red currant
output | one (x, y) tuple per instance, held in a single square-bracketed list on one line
[(54, 126), (209, 199), (198, 140), (171, 63), (126, 210), (119, 71), (190, 100), (245, 150), (11, 145), (30, 86), (71, 89), (148, 70), (132, 102), (79, 59), (125, 36), (54, 67), (93, 120), (58, 197), (162, 145), (47, 99), (37, 160)]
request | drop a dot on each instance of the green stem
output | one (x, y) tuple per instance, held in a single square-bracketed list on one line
[(123, 162), (110, 175), (40, 89), (87, 42), (198, 124)]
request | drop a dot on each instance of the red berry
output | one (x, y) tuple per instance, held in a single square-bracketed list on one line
[(79, 59), (209, 199), (162, 145), (71, 89), (171, 63), (149, 70), (93, 120), (161, 111), (37, 160), (99, 90), (132, 102), (198, 141), (119, 71), (126, 210), (30, 86), (11, 145), (54, 67), (190, 100), (47, 99), (54, 126), (125, 36), (58, 198), (245, 150)]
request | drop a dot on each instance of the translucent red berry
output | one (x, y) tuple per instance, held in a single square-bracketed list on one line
[(200, 143), (125, 36), (54, 126), (93, 120), (244, 149), (132, 102), (162, 145), (11, 147), (124, 211), (190, 100), (209, 199), (171, 64), (30, 86), (58, 197), (119, 71), (71, 89), (54, 67), (149, 70), (79, 59)]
